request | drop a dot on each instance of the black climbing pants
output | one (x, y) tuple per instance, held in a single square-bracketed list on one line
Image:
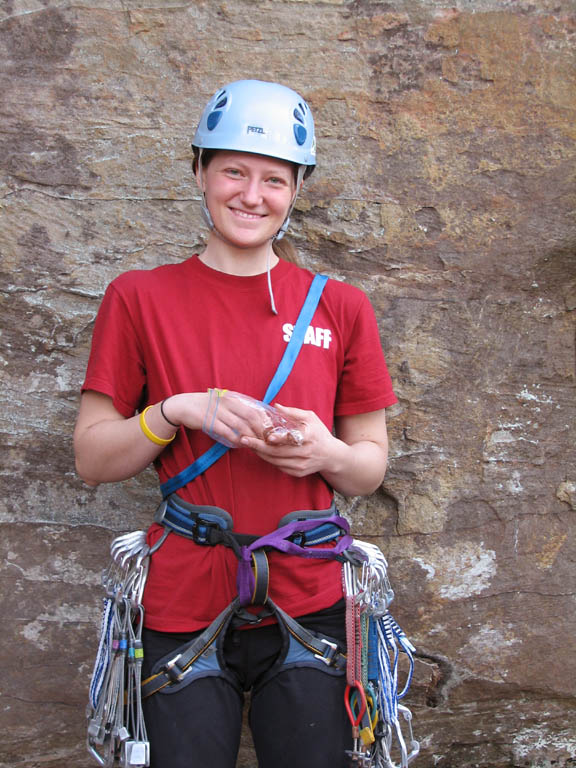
[(297, 717)]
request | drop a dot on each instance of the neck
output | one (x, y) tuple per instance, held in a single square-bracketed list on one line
[(243, 262)]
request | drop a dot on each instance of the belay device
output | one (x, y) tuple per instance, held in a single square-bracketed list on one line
[(381, 726)]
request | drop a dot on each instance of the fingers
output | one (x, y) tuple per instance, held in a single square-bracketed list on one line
[(243, 415), (309, 455), (277, 450), (229, 416), (295, 413), (296, 460)]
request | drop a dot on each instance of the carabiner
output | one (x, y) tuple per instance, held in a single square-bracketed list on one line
[(355, 720)]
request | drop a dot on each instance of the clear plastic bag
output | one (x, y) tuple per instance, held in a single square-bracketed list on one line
[(276, 429)]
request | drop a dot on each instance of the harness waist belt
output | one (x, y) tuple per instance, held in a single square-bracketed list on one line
[(205, 524), (300, 533)]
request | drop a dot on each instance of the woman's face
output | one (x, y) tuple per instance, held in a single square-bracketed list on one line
[(248, 196)]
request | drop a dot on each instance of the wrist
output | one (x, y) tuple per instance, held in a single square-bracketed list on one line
[(341, 457), (186, 409), (336, 458), (165, 414), (154, 427)]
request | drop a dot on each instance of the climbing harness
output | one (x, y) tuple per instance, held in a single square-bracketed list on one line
[(318, 534), (116, 729), (381, 725)]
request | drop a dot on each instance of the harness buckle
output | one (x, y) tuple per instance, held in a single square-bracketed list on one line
[(172, 669), (328, 656), (203, 531)]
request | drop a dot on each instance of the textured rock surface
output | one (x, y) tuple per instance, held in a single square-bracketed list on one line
[(446, 191)]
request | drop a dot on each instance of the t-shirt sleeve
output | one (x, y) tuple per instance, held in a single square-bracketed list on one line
[(115, 366), (365, 384)]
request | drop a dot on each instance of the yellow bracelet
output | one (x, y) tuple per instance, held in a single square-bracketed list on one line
[(148, 432)]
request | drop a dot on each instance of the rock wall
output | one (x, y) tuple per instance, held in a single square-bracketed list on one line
[(445, 189)]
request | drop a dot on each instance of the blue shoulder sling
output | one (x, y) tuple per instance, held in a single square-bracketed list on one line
[(285, 366)]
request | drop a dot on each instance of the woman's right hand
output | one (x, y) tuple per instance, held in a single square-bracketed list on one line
[(223, 415), (109, 447)]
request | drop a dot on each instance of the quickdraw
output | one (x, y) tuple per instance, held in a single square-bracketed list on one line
[(116, 729), (375, 642)]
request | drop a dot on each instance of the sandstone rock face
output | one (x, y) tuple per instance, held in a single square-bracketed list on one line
[(445, 189)]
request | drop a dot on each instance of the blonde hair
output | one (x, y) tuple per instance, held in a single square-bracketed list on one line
[(285, 250)]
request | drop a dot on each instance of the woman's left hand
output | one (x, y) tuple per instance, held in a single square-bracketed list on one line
[(314, 454), (353, 461)]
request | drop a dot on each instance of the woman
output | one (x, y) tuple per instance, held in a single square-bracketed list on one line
[(171, 341)]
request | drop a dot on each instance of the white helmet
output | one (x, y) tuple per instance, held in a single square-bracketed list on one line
[(262, 118)]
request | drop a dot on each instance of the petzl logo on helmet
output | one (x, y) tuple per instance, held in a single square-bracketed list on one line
[(255, 129)]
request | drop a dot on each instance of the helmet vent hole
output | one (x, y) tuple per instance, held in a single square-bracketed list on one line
[(222, 101), (300, 134), (213, 120), (299, 116)]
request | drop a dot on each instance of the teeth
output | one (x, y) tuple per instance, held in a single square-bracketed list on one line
[(245, 215)]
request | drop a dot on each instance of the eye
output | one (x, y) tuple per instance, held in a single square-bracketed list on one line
[(277, 180)]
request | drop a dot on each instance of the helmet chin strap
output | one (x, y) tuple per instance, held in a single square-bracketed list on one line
[(299, 179), (269, 278), (278, 236), (204, 208)]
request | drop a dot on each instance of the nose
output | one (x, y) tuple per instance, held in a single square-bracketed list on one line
[(251, 193)]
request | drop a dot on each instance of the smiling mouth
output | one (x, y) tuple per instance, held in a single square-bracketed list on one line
[(246, 215)]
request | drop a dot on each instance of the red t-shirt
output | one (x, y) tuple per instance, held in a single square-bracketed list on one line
[(186, 327)]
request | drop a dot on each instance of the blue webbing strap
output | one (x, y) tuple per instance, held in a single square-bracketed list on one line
[(285, 366), (297, 339)]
